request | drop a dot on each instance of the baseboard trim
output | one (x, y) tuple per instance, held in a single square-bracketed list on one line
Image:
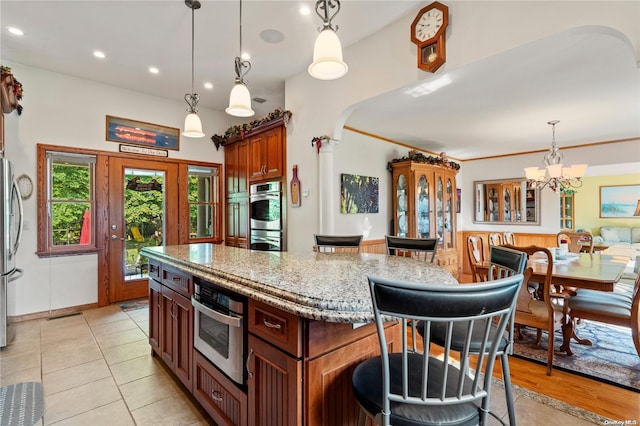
[(51, 314)]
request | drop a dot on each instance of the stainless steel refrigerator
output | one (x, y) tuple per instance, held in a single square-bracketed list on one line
[(11, 214)]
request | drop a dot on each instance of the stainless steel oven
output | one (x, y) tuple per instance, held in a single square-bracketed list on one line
[(265, 240), (219, 328), (266, 206)]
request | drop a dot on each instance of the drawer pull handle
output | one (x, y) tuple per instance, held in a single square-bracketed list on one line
[(177, 279), (215, 395), (249, 372), (271, 325)]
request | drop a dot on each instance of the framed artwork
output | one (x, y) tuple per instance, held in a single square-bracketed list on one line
[(142, 134), (359, 194), (620, 201)]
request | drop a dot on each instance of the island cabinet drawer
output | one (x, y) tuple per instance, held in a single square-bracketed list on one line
[(282, 329), (154, 270), (177, 280), (223, 400)]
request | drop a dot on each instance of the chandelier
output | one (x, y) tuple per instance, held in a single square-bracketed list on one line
[(555, 176)]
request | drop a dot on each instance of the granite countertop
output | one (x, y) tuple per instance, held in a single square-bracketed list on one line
[(320, 286)]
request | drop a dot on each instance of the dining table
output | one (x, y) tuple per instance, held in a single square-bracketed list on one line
[(595, 271)]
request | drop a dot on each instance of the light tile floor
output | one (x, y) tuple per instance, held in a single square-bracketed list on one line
[(96, 369)]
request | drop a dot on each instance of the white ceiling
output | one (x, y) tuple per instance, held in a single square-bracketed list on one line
[(589, 80)]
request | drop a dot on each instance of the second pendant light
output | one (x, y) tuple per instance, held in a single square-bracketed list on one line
[(240, 99)]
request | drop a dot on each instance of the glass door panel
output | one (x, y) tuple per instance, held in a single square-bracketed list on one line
[(423, 210), (440, 211), (448, 215), (401, 211)]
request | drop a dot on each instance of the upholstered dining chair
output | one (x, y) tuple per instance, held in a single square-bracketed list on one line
[(503, 262), (509, 238), (337, 243), (608, 307), (412, 387), (475, 254), (538, 305), (495, 239), (577, 241), (418, 248)]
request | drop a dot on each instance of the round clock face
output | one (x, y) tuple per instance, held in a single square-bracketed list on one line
[(429, 24), (25, 185)]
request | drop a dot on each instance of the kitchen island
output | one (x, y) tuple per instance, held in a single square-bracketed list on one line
[(306, 328)]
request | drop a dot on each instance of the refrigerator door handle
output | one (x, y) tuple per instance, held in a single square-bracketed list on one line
[(16, 191), (15, 274)]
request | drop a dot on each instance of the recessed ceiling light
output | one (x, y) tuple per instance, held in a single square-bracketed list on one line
[(304, 10), (208, 85), (16, 31), (272, 36), (154, 70), (245, 56), (99, 54)]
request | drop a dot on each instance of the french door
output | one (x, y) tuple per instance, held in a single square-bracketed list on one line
[(143, 211)]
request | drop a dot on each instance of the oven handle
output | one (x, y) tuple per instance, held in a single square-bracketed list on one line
[(266, 196), (218, 316), (275, 241)]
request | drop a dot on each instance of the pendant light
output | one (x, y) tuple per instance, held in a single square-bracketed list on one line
[(240, 99), (192, 123), (327, 51)]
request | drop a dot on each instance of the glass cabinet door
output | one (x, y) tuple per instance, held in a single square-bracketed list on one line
[(440, 218), (401, 211), (449, 240), (423, 208), (492, 204), (507, 204)]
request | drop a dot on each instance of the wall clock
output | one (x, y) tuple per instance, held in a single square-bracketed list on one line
[(428, 33)]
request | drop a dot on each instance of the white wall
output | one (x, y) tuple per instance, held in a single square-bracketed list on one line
[(64, 110), (386, 61)]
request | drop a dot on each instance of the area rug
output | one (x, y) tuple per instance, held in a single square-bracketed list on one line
[(21, 404), (612, 358), (132, 305)]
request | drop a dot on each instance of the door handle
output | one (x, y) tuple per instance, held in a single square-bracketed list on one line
[(115, 237)]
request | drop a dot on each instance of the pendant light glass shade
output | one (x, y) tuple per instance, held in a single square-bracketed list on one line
[(192, 126), (327, 57), (240, 101), (192, 123)]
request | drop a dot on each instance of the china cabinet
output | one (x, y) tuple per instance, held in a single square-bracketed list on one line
[(424, 200)]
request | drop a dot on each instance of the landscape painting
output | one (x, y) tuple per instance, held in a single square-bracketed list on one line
[(620, 201), (140, 133), (359, 194)]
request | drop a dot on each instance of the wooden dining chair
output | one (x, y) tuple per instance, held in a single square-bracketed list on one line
[(509, 238), (577, 241), (418, 248), (337, 243), (538, 306), (475, 254), (608, 307), (495, 239)]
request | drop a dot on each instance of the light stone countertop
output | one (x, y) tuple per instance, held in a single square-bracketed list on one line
[(320, 286)]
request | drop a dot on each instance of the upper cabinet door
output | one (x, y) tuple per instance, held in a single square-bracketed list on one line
[(266, 155)]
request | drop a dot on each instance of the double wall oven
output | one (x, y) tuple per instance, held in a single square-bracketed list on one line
[(265, 211)]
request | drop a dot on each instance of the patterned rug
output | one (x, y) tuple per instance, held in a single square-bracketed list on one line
[(611, 359), (132, 305)]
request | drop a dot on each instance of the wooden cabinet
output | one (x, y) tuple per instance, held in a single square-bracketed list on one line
[(236, 166), (171, 319), (266, 155), (566, 211), (223, 400), (424, 200), (237, 230)]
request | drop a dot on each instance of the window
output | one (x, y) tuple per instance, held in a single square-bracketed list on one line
[(69, 191), (203, 201)]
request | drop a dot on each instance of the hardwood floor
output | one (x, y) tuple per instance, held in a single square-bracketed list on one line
[(607, 400)]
